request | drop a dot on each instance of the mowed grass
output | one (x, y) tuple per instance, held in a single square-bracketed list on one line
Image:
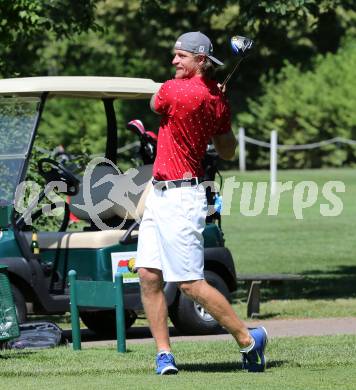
[(321, 248), (314, 245), (293, 363), (297, 308)]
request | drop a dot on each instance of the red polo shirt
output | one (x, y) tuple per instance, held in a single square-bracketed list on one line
[(193, 111)]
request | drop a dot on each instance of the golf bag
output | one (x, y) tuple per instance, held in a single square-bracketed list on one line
[(37, 335)]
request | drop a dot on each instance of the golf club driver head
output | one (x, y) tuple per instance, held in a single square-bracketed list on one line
[(241, 45)]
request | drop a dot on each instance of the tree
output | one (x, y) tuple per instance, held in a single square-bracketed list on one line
[(135, 38), (28, 25), (306, 107)]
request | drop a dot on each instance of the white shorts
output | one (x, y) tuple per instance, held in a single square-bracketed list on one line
[(171, 233)]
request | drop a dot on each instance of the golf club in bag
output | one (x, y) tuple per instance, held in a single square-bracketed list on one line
[(241, 46)]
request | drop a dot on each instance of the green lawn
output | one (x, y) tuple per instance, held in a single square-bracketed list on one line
[(321, 248), (315, 245), (299, 308), (293, 363)]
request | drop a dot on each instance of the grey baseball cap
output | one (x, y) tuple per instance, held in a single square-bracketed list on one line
[(198, 43)]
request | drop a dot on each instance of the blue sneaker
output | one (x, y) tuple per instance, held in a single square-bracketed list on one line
[(165, 364), (254, 360)]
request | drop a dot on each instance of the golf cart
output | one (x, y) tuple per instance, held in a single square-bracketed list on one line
[(38, 268)]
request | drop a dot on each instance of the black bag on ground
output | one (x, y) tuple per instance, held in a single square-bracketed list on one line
[(38, 335)]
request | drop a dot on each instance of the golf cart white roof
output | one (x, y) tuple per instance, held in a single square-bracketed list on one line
[(80, 86)]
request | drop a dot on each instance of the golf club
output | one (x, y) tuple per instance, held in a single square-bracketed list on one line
[(240, 47)]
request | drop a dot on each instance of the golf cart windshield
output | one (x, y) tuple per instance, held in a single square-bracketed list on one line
[(17, 124)]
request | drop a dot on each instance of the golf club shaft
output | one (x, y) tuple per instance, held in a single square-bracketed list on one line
[(231, 73)]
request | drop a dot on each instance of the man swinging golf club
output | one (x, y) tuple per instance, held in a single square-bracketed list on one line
[(194, 110)]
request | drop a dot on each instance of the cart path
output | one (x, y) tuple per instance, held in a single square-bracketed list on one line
[(275, 328)]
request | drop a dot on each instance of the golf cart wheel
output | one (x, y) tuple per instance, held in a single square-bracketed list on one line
[(103, 322), (20, 304), (189, 317)]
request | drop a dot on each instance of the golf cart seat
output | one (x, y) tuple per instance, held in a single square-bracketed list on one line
[(106, 189), (113, 190)]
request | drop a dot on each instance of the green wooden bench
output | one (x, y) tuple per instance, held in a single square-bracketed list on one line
[(97, 294), (254, 294)]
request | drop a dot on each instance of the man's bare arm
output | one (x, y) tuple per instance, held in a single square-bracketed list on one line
[(152, 103), (225, 145)]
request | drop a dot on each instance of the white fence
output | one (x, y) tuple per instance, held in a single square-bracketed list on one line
[(274, 146)]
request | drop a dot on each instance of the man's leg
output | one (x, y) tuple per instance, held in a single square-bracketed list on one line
[(154, 303), (218, 306)]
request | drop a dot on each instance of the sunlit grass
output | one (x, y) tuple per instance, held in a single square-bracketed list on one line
[(293, 363)]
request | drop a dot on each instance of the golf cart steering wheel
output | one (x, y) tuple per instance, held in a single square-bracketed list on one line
[(52, 170)]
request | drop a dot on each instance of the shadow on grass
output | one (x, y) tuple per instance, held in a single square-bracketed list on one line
[(223, 366), (317, 284), (15, 354), (267, 316)]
